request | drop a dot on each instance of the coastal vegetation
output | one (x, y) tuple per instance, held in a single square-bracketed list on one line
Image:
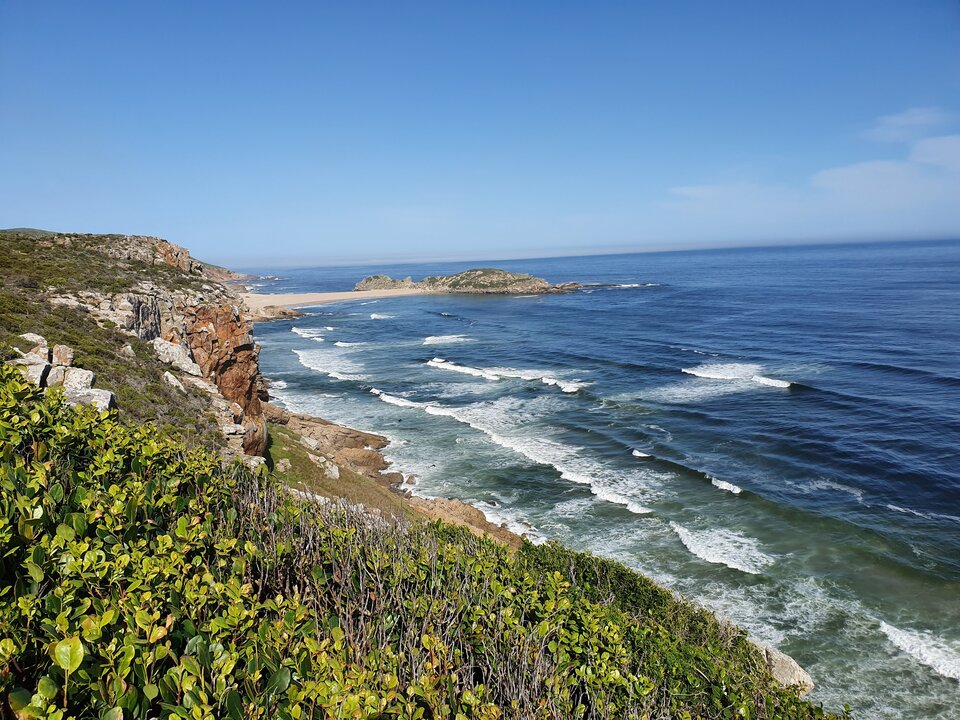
[(143, 579)]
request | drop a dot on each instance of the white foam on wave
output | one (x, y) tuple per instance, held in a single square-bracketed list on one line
[(724, 485), (394, 400), (464, 369), (637, 453), (925, 515), (341, 343), (501, 419), (445, 339), (328, 328), (635, 285), (308, 333), (332, 363), (498, 373), (735, 371), (824, 484), (380, 316), (932, 651), (725, 547)]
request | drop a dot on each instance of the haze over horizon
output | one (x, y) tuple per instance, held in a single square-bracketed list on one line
[(312, 135)]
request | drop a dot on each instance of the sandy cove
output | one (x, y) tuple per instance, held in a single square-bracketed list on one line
[(274, 306)]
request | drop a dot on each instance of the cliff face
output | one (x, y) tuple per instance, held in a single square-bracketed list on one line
[(190, 309)]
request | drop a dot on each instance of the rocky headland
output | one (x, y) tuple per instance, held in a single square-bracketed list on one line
[(479, 281)]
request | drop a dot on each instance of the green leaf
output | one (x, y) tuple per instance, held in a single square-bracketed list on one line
[(47, 688), (18, 700), (36, 573), (151, 691), (69, 653), (113, 714), (279, 681), (234, 704)]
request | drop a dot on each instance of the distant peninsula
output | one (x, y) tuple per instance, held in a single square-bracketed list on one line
[(481, 281)]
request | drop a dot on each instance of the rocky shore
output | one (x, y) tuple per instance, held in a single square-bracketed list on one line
[(479, 281)]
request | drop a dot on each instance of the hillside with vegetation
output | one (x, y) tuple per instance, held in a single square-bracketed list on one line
[(142, 579), (198, 552)]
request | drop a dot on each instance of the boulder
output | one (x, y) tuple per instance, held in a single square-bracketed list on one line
[(237, 412), (176, 355), (33, 372), (62, 355), (127, 350), (283, 465), (101, 399), (56, 375), (171, 379), (34, 339), (786, 671), (233, 429), (253, 461), (78, 378), (331, 469)]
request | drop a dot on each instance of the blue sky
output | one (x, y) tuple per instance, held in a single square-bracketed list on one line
[(307, 133)]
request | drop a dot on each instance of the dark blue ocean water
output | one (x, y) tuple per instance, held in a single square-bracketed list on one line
[(771, 432)]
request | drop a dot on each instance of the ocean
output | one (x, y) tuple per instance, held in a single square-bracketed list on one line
[(772, 432)]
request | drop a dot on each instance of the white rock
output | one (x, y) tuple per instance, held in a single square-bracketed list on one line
[(62, 355), (331, 469), (171, 379), (56, 375), (176, 355), (34, 373), (786, 670), (34, 338), (233, 429), (253, 461), (78, 378), (283, 465), (101, 399), (128, 350)]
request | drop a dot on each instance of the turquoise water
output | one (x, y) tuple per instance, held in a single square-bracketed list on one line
[(771, 432)]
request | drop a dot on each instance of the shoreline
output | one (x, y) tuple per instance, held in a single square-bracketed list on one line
[(265, 306)]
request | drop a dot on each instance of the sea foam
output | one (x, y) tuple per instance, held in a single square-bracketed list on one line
[(495, 420), (445, 339), (332, 363), (932, 651), (380, 316), (308, 333), (735, 371), (498, 373), (724, 485), (725, 547)]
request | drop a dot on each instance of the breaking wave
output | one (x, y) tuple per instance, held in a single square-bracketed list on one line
[(932, 651), (735, 371), (725, 547), (308, 333), (445, 339), (724, 485), (333, 364), (498, 373)]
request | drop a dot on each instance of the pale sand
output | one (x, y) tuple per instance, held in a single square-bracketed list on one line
[(257, 301)]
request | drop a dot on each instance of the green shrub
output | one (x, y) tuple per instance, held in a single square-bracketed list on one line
[(142, 580)]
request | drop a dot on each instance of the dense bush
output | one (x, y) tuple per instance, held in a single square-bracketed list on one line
[(140, 580)]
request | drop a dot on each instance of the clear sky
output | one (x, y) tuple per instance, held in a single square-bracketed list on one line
[(308, 132)]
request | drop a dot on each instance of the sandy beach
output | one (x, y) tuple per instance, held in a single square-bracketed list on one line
[(265, 306)]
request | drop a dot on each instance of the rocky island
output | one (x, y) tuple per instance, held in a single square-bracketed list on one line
[(480, 281)]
